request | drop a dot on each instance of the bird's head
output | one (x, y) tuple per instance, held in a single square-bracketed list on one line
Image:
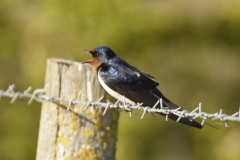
[(103, 54)]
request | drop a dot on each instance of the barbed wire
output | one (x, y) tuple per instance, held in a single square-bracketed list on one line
[(40, 96)]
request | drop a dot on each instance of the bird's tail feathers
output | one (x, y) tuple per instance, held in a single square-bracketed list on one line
[(185, 120)]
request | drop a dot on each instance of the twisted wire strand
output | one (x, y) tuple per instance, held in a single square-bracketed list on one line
[(40, 96)]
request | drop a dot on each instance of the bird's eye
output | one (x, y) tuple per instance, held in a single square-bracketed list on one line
[(97, 54)]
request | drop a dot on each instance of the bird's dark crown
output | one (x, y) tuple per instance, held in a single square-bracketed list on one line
[(103, 53)]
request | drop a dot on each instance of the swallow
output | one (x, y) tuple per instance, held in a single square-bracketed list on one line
[(120, 79)]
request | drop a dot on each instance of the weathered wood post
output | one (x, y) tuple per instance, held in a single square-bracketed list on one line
[(75, 134)]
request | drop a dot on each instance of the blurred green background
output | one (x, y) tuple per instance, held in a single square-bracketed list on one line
[(191, 47)]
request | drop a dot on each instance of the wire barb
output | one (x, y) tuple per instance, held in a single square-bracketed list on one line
[(144, 112), (88, 103), (130, 114), (100, 99), (106, 109), (161, 105), (69, 104), (155, 105)]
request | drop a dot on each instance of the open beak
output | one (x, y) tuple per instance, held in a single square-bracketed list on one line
[(89, 53)]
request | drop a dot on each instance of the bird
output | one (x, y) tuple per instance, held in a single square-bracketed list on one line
[(120, 79)]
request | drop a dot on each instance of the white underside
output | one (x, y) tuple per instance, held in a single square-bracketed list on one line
[(113, 93)]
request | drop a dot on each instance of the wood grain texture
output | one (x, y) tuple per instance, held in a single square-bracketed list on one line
[(75, 134)]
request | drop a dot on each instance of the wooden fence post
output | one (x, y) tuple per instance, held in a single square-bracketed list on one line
[(75, 134)]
